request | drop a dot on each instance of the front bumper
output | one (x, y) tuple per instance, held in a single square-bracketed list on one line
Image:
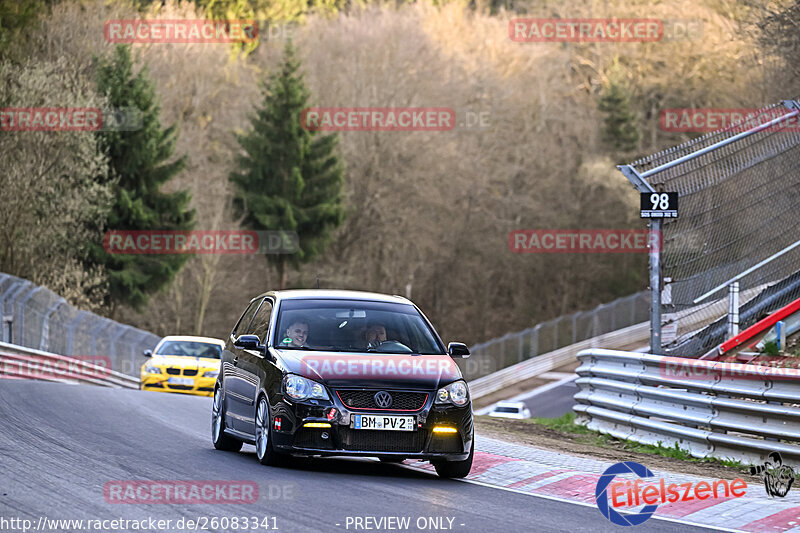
[(340, 439), (200, 386)]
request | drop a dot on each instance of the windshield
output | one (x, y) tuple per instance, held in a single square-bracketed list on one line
[(353, 326), (506, 410), (190, 349)]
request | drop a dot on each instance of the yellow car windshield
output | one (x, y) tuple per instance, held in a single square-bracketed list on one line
[(190, 349)]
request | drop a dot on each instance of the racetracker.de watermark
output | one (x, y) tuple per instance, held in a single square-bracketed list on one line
[(70, 119), (54, 367), (585, 241), (397, 367), (135, 491), (200, 242), (180, 31), (593, 30), (764, 369), (704, 120), (586, 30), (378, 119)]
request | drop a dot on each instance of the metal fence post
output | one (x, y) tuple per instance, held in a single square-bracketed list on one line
[(575, 327), (71, 333), (555, 332), (102, 324), (21, 311), (655, 260), (11, 294), (44, 341), (535, 341), (733, 309)]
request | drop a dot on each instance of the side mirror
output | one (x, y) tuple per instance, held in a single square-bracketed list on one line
[(458, 349), (248, 342), (148, 353)]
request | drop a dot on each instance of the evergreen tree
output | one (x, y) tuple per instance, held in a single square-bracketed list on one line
[(289, 179), (620, 122), (141, 161), (17, 17)]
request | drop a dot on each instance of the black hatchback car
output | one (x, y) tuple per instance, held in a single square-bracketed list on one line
[(327, 373)]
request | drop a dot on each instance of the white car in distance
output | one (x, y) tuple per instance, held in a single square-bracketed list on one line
[(510, 410)]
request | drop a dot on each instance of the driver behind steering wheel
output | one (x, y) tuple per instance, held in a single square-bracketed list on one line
[(375, 335)]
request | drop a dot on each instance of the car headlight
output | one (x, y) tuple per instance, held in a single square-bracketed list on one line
[(300, 388), (211, 373), (151, 369), (455, 393)]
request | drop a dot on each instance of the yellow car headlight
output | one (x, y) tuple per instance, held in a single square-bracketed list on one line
[(151, 369)]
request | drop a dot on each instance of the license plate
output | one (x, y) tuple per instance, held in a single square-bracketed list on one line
[(390, 423), (180, 381)]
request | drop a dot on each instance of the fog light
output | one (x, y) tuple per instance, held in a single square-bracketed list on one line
[(316, 425), (444, 429)]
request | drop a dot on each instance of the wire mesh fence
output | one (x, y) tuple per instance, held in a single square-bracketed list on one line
[(35, 317), (739, 198), (512, 348)]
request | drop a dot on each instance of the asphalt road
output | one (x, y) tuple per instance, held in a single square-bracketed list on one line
[(554, 402), (61, 444)]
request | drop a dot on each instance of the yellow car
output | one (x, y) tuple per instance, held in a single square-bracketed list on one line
[(189, 365)]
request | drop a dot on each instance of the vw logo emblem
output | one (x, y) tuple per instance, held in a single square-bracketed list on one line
[(383, 399)]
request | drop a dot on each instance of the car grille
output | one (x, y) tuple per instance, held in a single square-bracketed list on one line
[(365, 399), (365, 440), (185, 371), (309, 438)]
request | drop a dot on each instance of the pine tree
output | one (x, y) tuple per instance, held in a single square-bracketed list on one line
[(288, 179), (141, 162), (620, 122)]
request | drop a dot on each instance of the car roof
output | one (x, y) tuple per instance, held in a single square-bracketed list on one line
[(510, 404), (192, 338), (335, 294)]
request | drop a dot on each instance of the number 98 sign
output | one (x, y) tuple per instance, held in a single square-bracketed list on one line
[(659, 205)]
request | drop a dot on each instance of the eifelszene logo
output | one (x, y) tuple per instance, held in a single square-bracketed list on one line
[(625, 494), (601, 497)]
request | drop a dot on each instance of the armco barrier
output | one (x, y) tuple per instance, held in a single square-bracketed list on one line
[(37, 318), (17, 362), (621, 339), (711, 409), (630, 336)]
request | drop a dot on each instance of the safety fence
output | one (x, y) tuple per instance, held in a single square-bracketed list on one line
[(711, 409), (17, 362), (739, 192), (512, 348), (36, 317)]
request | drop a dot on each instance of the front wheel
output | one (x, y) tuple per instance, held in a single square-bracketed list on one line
[(456, 469), (264, 451), (218, 437)]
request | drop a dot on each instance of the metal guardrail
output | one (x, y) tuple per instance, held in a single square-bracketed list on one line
[(709, 408), (36, 317), (633, 335), (621, 339), (17, 362)]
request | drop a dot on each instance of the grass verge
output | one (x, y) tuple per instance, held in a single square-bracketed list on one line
[(566, 425)]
